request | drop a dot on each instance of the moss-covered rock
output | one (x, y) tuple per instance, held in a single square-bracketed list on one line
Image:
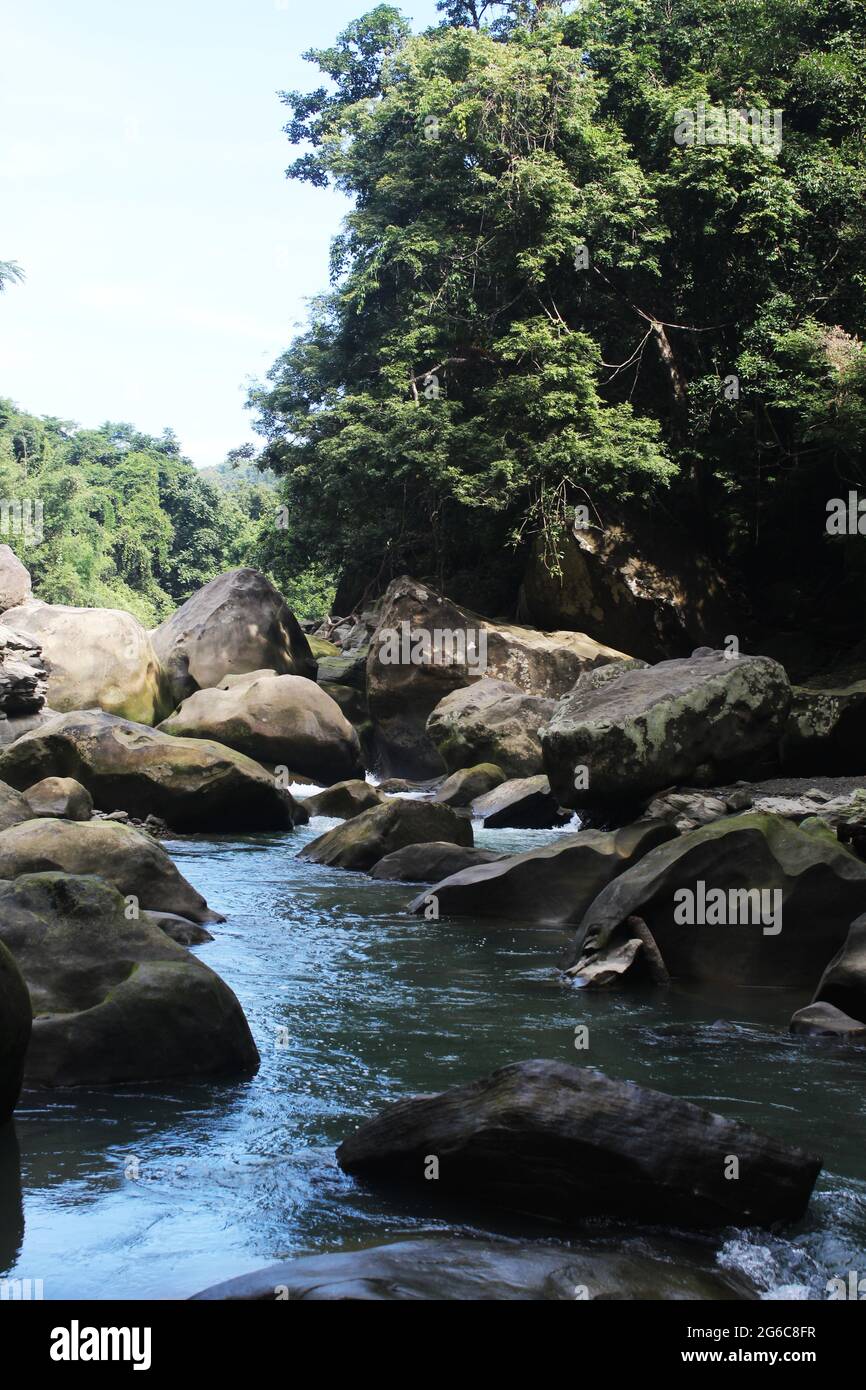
[(114, 999), (361, 842)]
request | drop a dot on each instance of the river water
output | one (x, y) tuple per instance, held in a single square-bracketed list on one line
[(158, 1191)]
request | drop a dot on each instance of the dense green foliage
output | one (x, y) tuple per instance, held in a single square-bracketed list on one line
[(127, 522), (541, 295)]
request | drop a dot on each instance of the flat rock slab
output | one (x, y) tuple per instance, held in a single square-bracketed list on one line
[(441, 1269), (570, 1144)]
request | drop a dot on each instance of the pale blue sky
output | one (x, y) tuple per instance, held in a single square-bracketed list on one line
[(142, 189)]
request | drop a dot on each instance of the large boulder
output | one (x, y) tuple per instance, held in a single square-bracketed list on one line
[(62, 797), (569, 1144), (285, 720), (15, 585), (550, 886), (237, 623), (16, 1018), (190, 783), (13, 726), (114, 1000), (425, 646), (430, 863), (129, 859), (822, 1020), (748, 900), (621, 736), (491, 722), (637, 581), (447, 1268), (96, 658), (522, 803), (361, 842)]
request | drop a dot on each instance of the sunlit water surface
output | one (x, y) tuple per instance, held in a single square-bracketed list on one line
[(158, 1191)]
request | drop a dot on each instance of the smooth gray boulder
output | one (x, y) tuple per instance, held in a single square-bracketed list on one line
[(623, 735), (430, 863), (287, 721), (15, 584), (361, 842), (843, 983), (114, 1000), (748, 900), (550, 886), (133, 862), (492, 721), (442, 1269), (237, 623), (569, 1144), (179, 929), (191, 783)]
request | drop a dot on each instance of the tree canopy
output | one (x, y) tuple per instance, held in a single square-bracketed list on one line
[(545, 292)]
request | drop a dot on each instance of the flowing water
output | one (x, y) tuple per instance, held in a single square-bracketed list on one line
[(158, 1191)]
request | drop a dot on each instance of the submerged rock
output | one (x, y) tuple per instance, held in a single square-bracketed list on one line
[(439, 1268), (621, 736), (237, 623), (114, 1000), (361, 842), (133, 862), (750, 900), (570, 1144), (430, 863), (550, 886), (191, 783), (284, 720)]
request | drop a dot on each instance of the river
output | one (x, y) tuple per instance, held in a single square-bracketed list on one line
[(158, 1191)]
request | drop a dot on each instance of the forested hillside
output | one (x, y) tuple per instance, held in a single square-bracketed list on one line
[(548, 293)]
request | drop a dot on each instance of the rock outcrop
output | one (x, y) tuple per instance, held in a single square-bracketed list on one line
[(748, 900), (425, 646), (550, 886), (15, 585)]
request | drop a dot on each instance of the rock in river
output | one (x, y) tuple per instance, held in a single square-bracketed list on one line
[(191, 783), (114, 1000), (622, 735), (361, 842), (16, 1017), (570, 1144), (748, 900), (129, 859), (550, 886), (430, 863)]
